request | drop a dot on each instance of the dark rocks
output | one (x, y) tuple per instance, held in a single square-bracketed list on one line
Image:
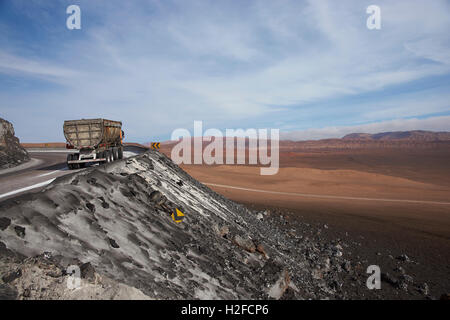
[(87, 271), (113, 243), (445, 296), (20, 231), (386, 277), (404, 258), (403, 285), (128, 192), (90, 207), (157, 197), (10, 254), (400, 270), (26, 293), (4, 223), (222, 231), (7, 292), (347, 266), (277, 290), (260, 248), (12, 276), (105, 205), (93, 181), (424, 289), (406, 278), (246, 244), (337, 250)]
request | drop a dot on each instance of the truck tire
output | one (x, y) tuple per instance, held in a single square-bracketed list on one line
[(115, 153), (120, 152), (108, 156), (69, 158), (75, 165), (102, 155)]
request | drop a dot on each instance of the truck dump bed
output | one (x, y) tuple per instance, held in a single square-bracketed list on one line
[(90, 133)]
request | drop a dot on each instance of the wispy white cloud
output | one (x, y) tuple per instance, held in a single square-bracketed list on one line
[(160, 65), (13, 64)]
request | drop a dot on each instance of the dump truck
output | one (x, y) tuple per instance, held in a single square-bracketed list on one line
[(97, 141)]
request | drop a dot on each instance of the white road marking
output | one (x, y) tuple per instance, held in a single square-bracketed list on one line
[(307, 195), (127, 154), (49, 173), (32, 163), (44, 150), (37, 185)]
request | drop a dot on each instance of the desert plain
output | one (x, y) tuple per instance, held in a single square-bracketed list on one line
[(388, 199)]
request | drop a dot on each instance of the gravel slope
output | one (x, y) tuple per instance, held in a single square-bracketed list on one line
[(117, 218)]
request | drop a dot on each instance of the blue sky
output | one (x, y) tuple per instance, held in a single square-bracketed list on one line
[(310, 68)]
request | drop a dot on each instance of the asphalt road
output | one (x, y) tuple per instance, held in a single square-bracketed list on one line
[(44, 167)]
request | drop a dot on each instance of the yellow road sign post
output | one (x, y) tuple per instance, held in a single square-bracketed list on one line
[(177, 215), (156, 145)]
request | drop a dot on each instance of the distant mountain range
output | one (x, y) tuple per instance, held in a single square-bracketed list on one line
[(416, 135), (398, 140)]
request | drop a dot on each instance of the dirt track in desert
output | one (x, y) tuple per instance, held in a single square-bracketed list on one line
[(368, 196)]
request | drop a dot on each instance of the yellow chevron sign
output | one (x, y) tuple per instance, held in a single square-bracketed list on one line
[(156, 145), (177, 216)]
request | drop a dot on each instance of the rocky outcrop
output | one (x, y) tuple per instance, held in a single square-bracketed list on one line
[(44, 277), (11, 152)]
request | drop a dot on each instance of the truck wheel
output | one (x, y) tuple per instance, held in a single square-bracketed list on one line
[(115, 153), (75, 165), (69, 158), (108, 156), (102, 155), (121, 153)]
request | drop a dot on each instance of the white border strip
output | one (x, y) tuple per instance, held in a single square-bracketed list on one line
[(306, 195), (37, 185)]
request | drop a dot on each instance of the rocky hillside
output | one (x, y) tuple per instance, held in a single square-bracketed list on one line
[(11, 152), (117, 219), (114, 222)]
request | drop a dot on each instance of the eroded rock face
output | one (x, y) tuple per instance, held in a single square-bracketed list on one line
[(11, 152)]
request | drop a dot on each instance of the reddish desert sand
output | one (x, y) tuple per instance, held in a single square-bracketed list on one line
[(391, 201)]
